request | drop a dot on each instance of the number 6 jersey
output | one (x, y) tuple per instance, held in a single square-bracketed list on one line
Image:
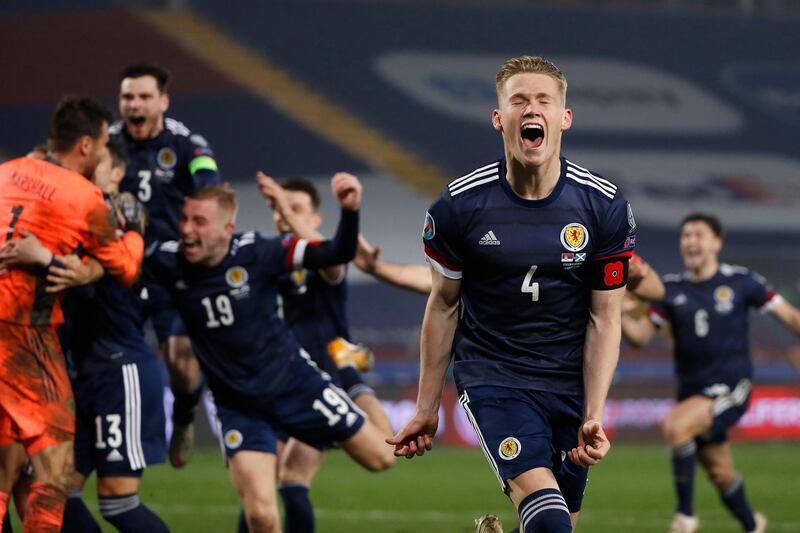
[(527, 270)]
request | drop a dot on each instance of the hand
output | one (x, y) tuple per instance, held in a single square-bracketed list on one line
[(273, 193), (366, 258), (416, 437), (347, 190), (73, 274), (134, 217), (26, 251), (593, 445), (638, 269)]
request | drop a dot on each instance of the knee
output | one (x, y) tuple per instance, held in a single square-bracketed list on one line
[(262, 517), (721, 477), (380, 461), (674, 432)]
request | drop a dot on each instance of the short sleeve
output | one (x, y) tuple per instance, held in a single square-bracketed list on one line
[(441, 238), (759, 293), (617, 231), (277, 255)]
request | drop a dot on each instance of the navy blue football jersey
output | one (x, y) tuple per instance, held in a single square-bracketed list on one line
[(163, 170), (103, 327), (527, 270), (231, 310), (315, 309), (710, 325)]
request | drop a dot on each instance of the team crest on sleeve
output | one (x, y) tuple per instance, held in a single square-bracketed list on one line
[(167, 159), (723, 296), (574, 237), (509, 448), (429, 229), (233, 439)]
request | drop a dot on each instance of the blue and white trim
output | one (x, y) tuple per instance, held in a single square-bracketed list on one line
[(133, 416)]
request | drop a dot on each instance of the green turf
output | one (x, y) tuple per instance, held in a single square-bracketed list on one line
[(444, 491)]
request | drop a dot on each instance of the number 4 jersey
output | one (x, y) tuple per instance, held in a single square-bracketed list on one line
[(527, 270)]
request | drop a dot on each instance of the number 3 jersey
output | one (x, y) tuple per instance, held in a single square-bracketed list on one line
[(710, 325), (527, 270), (163, 170)]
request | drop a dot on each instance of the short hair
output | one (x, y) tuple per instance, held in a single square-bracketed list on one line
[(74, 117), (709, 220), (137, 70), (306, 186), (119, 155), (223, 194), (530, 64)]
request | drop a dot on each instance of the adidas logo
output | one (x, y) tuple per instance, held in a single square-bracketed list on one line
[(114, 456), (489, 238)]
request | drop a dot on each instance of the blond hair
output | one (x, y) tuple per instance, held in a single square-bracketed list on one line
[(533, 65), (223, 194)]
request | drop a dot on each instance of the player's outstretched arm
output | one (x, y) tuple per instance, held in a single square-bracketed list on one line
[(789, 315), (27, 251), (415, 278), (637, 328), (276, 196), (643, 281), (342, 247), (436, 347), (601, 352)]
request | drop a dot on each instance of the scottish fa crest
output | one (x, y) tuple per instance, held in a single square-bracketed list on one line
[(574, 237)]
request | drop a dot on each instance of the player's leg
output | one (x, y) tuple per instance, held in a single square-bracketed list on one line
[(12, 463), (120, 505), (298, 463), (687, 420), (517, 440), (253, 477), (52, 471), (186, 380), (77, 517), (717, 459)]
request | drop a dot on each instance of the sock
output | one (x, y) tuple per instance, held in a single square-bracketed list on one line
[(4, 512), (185, 406), (77, 518), (298, 509), (734, 499), (45, 509), (242, 526), (544, 511), (684, 459), (129, 515)]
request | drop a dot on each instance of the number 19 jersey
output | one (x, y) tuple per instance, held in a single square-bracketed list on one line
[(527, 270)]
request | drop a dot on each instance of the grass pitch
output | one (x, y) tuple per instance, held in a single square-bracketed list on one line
[(446, 490)]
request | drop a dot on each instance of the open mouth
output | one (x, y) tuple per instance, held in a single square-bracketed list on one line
[(532, 135), (191, 245), (136, 121)]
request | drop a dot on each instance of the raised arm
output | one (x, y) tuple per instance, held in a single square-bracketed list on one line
[(342, 247), (415, 278), (643, 281), (436, 350), (788, 314)]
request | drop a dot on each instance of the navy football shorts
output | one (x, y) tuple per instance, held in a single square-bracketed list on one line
[(311, 409), (119, 423), (523, 429), (158, 307), (728, 407)]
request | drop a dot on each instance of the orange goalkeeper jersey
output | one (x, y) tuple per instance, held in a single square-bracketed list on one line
[(67, 213)]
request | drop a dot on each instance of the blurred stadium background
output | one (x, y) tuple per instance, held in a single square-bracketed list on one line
[(691, 105)]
